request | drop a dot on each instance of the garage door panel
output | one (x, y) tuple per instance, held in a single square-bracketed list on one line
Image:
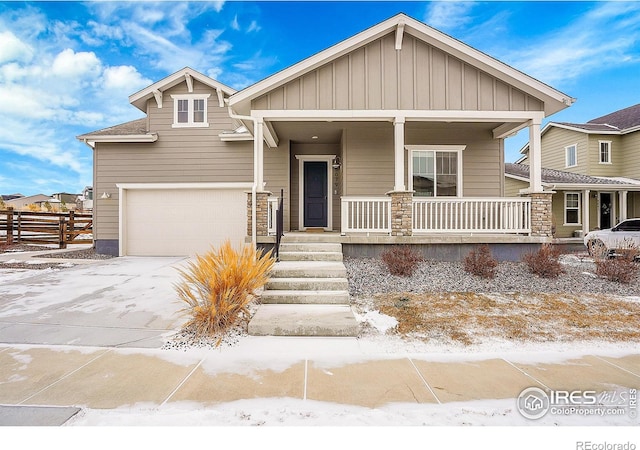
[(168, 222)]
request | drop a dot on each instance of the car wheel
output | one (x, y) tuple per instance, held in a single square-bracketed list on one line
[(597, 248)]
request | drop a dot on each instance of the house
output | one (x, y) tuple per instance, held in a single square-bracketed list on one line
[(572, 195), (395, 135), (84, 201), (10, 197), (605, 150), (39, 200)]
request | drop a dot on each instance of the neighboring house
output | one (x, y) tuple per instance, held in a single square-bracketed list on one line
[(10, 197), (606, 147), (84, 201), (22, 203), (66, 199), (573, 194), (394, 135)]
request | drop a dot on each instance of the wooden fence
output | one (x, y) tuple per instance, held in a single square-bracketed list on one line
[(26, 227)]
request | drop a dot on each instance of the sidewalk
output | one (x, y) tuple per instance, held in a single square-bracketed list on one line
[(109, 378)]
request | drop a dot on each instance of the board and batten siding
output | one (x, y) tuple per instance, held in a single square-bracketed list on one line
[(377, 76), (180, 155)]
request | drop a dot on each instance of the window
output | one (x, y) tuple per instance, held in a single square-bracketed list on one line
[(629, 225), (435, 173), (605, 152), (190, 110), (571, 155), (572, 208)]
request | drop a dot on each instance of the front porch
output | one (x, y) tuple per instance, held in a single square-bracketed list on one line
[(423, 220)]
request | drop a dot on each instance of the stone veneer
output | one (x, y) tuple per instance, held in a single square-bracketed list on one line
[(262, 213), (541, 215), (401, 213)]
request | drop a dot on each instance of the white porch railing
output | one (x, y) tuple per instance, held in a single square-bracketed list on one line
[(366, 215), (272, 207), (472, 215)]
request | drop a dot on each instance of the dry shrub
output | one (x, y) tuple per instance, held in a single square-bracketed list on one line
[(480, 262), (545, 262), (622, 268), (219, 286), (401, 260)]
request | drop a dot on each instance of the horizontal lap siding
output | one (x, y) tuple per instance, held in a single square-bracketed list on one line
[(616, 167), (180, 155), (630, 151), (376, 76), (554, 142)]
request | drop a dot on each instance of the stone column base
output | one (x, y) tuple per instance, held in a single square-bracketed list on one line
[(401, 213), (262, 214), (541, 215)]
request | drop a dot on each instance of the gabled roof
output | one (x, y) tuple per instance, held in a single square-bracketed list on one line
[(623, 121), (140, 98), (558, 177), (553, 99)]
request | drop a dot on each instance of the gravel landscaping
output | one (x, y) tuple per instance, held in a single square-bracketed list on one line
[(370, 276)]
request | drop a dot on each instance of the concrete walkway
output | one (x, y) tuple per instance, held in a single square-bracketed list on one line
[(105, 378), (91, 336)]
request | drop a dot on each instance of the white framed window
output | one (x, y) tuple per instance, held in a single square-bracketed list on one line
[(572, 208), (571, 155), (190, 110), (604, 150), (435, 171)]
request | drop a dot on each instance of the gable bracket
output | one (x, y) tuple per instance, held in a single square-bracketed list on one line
[(399, 34), (220, 97), (158, 96), (189, 80)]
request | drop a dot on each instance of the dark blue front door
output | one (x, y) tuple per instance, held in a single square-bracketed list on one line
[(315, 194)]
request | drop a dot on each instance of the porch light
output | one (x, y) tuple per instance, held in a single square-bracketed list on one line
[(105, 195), (336, 163)]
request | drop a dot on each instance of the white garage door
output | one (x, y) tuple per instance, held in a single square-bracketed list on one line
[(177, 222)]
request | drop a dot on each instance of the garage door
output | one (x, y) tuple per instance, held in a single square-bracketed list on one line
[(177, 222)]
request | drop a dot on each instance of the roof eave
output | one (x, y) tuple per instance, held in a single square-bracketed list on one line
[(91, 140), (140, 98)]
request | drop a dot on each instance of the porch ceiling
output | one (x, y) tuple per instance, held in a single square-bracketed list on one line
[(331, 132)]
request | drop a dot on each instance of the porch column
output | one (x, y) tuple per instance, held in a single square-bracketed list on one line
[(622, 201), (585, 210), (398, 134), (258, 142), (535, 157)]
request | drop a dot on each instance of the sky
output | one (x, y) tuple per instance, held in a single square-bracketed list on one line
[(67, 68)]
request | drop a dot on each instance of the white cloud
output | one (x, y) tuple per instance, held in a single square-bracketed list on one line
[(13, 49), (124, 77), (234, 23), (71, 64), (449, 15), (253, 26), (606, 35)]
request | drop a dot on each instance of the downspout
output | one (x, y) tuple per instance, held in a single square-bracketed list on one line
[(254, 186)]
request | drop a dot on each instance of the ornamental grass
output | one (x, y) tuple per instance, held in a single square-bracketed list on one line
[(219, 286)]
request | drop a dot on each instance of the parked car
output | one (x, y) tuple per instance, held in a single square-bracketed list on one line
[(625, 235)]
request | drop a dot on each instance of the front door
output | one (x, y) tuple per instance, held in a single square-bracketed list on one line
[(606, 210), (315, 194)]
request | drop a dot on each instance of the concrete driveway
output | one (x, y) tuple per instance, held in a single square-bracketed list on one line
[(121, 302)]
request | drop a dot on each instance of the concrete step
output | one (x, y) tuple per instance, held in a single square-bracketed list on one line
[(304, 320), (309, 269), (286, 247), (307, 284), (311, 237), (310, 256), (305, 297)]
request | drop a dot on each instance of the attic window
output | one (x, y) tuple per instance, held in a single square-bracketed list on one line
[(190, 110)]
